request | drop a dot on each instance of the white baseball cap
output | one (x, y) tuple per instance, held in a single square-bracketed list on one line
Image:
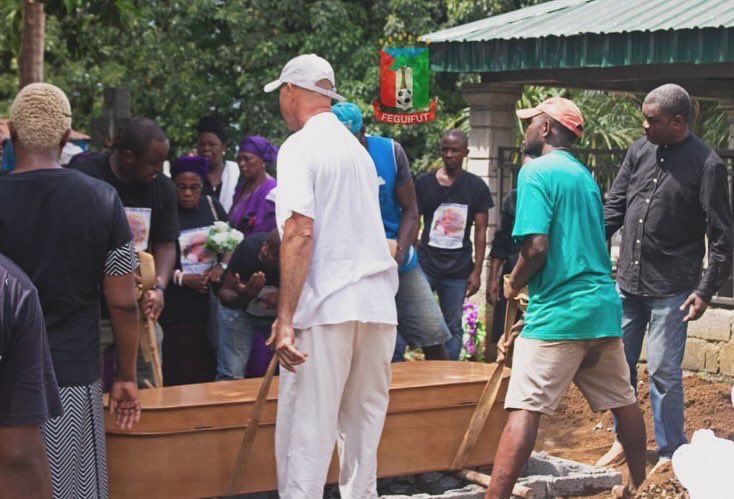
[(305, 71)]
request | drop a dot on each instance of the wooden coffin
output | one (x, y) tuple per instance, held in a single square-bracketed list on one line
[(187, 440)]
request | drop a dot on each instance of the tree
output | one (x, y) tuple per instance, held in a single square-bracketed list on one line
[(30, 59), (183, 59)]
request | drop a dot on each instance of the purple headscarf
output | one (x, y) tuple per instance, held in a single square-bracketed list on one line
[(260, 147), (194, 164)]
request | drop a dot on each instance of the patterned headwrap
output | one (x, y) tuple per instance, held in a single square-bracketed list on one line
[(194, 164), (260, 147)]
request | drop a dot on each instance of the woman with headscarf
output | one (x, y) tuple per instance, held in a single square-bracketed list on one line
[(223, 175), (187, 355), (253, 209)]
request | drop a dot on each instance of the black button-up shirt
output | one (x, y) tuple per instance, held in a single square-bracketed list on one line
[(667, 198)]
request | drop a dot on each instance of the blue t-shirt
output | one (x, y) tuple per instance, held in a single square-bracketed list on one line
[(573, 296)]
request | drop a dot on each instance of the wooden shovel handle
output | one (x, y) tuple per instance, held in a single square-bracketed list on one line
[(251, 430)]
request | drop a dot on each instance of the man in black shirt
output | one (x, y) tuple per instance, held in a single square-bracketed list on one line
[(251, 284), (28, 392), (451, 200), (669, 196), (149, 198), (502, 259), (67, 231)]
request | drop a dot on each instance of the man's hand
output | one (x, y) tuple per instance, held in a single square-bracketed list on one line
[(472, 283), (493, 292), (124, 403), (510, 292), (400, 256), (153, 303), (215, 274), (197, 282), (283, 341), (696, 307), (252, 287), (506, 341)]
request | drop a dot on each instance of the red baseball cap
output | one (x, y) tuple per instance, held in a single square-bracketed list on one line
[(562, 110)]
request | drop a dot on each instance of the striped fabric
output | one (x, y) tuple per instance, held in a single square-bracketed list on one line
[(121, 261), (75, 443)]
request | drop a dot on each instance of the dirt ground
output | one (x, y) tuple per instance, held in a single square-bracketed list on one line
[(579, 434)]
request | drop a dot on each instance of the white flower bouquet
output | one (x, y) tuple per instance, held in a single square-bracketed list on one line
[(223, 238)]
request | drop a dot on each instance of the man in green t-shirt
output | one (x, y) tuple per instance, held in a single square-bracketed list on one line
[(572, 329)]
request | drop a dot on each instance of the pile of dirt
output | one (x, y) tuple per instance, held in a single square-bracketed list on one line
[(577, 433)]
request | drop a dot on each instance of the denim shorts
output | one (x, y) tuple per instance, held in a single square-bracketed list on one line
[(420, 321)]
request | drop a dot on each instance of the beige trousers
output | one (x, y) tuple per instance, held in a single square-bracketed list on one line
[(338, 396)]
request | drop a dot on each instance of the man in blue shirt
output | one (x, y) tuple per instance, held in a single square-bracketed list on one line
[(572, 327), (420, 322)]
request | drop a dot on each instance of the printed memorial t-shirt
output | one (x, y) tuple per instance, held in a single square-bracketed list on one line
[(151, 208), (324, 173), (245, 262), (66, 230), (448, 214), (572, 297), (28, 391), (192, 257)]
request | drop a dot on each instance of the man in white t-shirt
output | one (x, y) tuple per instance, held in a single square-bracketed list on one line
[(335, 330)]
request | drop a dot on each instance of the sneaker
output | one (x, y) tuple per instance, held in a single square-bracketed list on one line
[(613, 457), (664, 464)]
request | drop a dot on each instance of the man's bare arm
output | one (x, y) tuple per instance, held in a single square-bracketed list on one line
[(495, 266), (481, 220), (532, 258), (164, 256), (295, 259), (23, 463), (408, 231), (120, 294)]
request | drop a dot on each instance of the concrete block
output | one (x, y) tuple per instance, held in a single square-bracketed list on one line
[(550, 476), (726, 359), (715, 325), (694, 358), (468, 492), (712, 361)]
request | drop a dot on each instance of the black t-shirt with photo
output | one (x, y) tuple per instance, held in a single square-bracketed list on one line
[(151, 208), (448, 216), (182, 303), (59, 226), (245, 262), (28, 391)]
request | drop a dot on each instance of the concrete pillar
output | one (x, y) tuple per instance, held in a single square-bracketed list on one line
[(492, 120)]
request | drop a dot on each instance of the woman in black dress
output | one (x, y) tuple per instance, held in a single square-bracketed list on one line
[(187, 354)]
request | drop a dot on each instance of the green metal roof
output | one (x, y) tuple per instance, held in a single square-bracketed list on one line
[(590, 33)]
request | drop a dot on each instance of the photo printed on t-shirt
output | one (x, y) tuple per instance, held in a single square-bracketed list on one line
[(139, 221), (447, 228)]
